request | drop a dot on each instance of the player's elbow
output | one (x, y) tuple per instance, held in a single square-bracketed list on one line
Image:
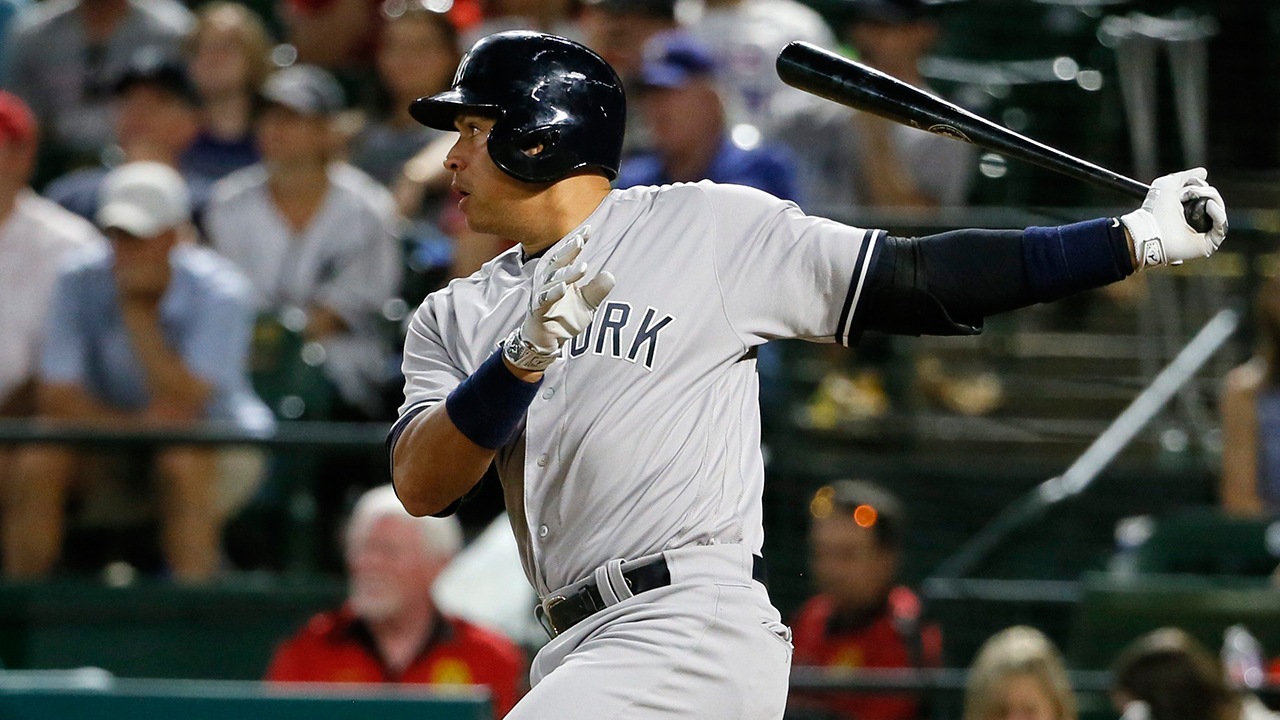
[(420, 493), (433, 464), (419, 506), (420, 509)]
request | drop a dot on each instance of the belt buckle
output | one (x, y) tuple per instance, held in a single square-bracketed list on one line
[(543, 613)]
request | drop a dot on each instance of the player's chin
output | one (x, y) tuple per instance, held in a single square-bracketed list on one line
[(477, 219)]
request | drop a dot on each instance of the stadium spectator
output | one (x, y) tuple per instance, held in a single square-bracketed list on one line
[(417, 57), (1019, 675), (682, 109), (558, 17), (64, 56), (313, 233), (860, 618), (334, 34), (156, 121), (1250, 404), (389, 630), (344, 34), (745, 37), (1173, 677), (619, 30), (852, 159), (9, 10), (848, 160), (229, 58), (35, 237), (152, 330)]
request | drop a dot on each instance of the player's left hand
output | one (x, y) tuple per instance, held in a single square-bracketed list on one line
[(562, 304), (1159, 229)]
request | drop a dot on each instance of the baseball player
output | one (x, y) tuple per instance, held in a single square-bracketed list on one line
[(606, 366)]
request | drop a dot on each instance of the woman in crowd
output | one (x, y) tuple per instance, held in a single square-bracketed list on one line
[(1167, 675), (229, 57), (1250, 404), (417, 57), (558, 17), (419, 53), (1019, 675)]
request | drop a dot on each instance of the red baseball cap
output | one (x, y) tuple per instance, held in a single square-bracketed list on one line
[(17, 124)]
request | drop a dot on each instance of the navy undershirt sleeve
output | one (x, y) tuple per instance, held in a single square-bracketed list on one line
[(946, 284)]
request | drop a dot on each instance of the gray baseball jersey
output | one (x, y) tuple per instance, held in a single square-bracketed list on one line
[(347, 259), (645, 435)]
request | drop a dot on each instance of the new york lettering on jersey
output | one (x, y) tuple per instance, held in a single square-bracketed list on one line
[(656, 405), (616, 319)]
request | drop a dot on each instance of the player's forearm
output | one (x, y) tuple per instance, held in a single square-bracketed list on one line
[(438, 455), (434, 464), (947, 284)]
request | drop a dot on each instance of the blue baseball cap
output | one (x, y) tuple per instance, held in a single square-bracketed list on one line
[(673, 59)]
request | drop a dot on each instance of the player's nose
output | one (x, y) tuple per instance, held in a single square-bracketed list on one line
[(454, 162)]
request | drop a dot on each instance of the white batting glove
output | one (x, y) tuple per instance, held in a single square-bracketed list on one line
[(560, 306), (1161, 235)]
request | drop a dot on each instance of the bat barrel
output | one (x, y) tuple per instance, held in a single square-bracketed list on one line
[(850, 83)]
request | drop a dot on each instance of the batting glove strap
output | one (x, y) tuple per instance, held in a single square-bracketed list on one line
[(522, 354), (1145, 231)]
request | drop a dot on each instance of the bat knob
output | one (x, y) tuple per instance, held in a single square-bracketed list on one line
[(1197, 216)]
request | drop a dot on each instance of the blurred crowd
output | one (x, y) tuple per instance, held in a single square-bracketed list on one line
[(223, 215), (220, 216)]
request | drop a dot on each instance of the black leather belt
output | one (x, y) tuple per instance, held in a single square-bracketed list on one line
[(560, 612)]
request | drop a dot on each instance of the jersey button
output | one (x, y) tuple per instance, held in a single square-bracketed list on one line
[(546, 394), (543, 460), (542, 531)]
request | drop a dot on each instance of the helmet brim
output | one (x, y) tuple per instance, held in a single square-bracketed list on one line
[(441, 110)]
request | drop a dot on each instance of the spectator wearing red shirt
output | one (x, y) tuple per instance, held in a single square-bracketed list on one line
[(859, 619), (389, 631)]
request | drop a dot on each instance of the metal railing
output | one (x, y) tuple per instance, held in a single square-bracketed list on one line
[(1086, 469)]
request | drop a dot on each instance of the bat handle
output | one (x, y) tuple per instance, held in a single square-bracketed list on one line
[(1197, 216)]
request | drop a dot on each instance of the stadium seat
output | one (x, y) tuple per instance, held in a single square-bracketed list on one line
[(1205, 541), (286, 369), (1115, 611), (224, 632)]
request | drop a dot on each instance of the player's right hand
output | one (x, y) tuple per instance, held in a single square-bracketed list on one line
[(1161, 235), (561, 305)]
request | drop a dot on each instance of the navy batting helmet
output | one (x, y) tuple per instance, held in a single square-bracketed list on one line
[(559, 107)]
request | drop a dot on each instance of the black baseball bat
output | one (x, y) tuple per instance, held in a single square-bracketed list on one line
[(851, 83)]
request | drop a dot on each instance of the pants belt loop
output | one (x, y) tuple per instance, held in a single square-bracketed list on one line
[(603, 584), (613, 570)]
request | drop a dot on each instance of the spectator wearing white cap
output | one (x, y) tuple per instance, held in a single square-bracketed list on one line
[(314, 233), (152, 330), (390, 629)]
